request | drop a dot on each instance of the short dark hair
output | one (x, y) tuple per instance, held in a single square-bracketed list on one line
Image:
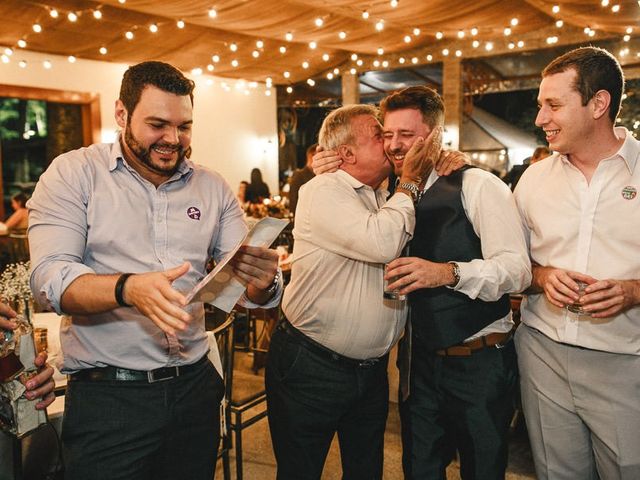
[(596, 69), (159, 74), (20, 198), (421, 98)]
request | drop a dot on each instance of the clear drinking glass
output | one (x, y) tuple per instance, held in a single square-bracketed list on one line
[(576, 307), (391, 294)]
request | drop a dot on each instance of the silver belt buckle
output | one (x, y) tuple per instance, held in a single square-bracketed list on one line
[(151, 376)]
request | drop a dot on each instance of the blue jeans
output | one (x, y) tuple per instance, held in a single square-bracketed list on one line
[(311, 397), (134, 430)]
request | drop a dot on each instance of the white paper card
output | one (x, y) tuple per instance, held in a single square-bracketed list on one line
[(220, 287)]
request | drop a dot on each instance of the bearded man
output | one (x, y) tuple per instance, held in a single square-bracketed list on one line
[(118, 232)]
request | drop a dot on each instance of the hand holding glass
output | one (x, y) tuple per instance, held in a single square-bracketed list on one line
[(388, 293)]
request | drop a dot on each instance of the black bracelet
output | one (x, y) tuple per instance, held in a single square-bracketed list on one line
[(120, 289)]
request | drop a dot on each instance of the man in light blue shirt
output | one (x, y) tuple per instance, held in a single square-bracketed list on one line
[(119, 233)]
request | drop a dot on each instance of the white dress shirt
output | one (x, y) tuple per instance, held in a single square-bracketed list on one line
[(344, 234), (592, 228), (504, 268)]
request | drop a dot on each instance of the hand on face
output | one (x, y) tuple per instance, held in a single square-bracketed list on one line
[(422, 156)]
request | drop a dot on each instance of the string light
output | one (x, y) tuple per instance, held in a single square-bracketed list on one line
[(385, 64), (520, 43), (354, 56), (103, 50), (460, 33), (393, 3), (210, 68), (488, 46), (259, 44), (283, 49), (439, 35), (615, 8), (401, 60), (376, 63), (604, 3), (8, 51), (128, 35), (289, 89), (54, 13), (233, 47), (458, 53), (5, 59), (153, 28), (235, 63), (325, 57), (342, 35), (445, 52), (72, 16), (37, 27), (22, 43), (474, 31), (407, 39), (514, 21), (97, 14), (416, 31), (22, 64), (507, 32), (475, 44), (47, 64), (319, 22), (330, 75), (414, 60), (360, 62), (288, 36), (255, 54), (429, 57), (380, 25), (213, 13), (380, 51), (286, 74), (313, 45), (311, 82), (215, 58), (365, 15), (555, 8), (305, 64), (180, 24), (559, 23), (71, 59), (353, 71)]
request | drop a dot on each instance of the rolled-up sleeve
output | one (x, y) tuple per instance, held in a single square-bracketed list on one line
[(505, 266), (57, 231)]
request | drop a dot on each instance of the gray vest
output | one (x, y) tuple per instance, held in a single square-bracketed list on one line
[(442, 317)]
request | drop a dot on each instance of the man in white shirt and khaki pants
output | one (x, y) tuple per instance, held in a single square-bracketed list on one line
[(579, 345)]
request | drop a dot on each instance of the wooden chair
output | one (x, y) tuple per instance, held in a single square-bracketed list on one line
[(18, 247)]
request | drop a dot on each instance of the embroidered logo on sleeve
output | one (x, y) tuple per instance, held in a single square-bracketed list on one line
[(629, 192), (193, 213)]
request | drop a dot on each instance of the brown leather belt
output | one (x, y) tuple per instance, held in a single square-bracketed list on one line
[(466, 349)]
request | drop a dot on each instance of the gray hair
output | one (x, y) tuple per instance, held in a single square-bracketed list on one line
[(336, 129)]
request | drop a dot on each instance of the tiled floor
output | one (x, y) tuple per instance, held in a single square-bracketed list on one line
[(259, 462)]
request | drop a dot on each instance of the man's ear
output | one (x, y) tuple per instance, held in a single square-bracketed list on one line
[(121, 114), (347, 154), (601, 102)]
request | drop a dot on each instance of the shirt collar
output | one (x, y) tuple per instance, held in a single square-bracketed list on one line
[(629, 151), (116, 154)]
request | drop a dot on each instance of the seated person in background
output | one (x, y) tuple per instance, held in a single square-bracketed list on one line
[(242, 192), (19, 219), (300, 177), (516, 171), (257, 190)]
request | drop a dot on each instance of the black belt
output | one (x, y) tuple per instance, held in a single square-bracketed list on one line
[(323, 351), (466, 349), (104, 374)]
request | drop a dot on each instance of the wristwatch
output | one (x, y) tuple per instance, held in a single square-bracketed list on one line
[(274, 285), (412, 188), (455, 270)]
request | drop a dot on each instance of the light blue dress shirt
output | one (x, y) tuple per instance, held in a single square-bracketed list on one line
[(92, 213)]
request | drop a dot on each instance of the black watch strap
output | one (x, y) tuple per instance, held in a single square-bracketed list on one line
[(119, 290)]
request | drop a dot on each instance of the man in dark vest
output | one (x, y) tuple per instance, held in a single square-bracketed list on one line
[(467, 254)]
